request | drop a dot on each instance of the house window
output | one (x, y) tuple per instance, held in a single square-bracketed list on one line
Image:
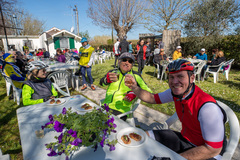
[(64, 42), (29, 44)]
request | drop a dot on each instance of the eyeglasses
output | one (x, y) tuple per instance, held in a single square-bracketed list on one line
[(129, 60)]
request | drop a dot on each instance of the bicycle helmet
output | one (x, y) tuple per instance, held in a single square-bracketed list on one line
[(84, 39), (36, 65), (181, 65)]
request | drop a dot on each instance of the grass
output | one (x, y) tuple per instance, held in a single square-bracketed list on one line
[(226, 91)]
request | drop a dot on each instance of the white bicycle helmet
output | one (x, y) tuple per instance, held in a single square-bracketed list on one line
[(36, 65)]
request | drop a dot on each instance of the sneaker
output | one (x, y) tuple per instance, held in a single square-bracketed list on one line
[(84, 87), (93, 88)]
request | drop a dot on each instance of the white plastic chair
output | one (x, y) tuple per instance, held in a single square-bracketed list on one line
[(234, 130), (8, 85), (229, 64), (60, 80), (60, 90), (16, 91), (4, 157), (164, 63), (199, 68), (130, 118), (215, 73)]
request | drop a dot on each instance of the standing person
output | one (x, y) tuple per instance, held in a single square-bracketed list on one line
[(46, 54), (123, 45), (116, 50), (141, 55), (25, 47), (130, 47), (202, 119), (37, 89), (177, 53), (118, 96), (160, 44), (202, 55), (85, 63), (148, 52)]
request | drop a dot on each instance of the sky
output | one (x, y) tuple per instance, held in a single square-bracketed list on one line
[(59, 13)]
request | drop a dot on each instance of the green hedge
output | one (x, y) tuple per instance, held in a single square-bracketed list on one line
[(228, 44)]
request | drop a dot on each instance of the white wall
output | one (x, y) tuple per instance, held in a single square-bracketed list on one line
[(42, 41), (18, 42), (52, 51), (78, 44)]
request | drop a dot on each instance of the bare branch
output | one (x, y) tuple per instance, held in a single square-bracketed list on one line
[(123, 15)]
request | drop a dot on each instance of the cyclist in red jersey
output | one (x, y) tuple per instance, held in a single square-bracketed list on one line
[(202, 135)]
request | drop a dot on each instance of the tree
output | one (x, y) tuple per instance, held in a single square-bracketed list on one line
[(18, 18), (84, 34), (123, 15), (209, 19), (100, 40), (8, 10), (165, 14), (31, 25)]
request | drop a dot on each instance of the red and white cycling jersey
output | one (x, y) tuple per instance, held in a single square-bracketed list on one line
[(202, 119)]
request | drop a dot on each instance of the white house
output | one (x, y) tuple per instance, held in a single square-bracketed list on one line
[(51, 40)]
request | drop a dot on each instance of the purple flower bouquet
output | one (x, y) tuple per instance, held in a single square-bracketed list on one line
[(78, 130)]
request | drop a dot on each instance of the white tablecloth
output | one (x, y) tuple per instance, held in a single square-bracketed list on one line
[(31, 118)]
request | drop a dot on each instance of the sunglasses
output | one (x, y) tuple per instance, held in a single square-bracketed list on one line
[(129, 60)]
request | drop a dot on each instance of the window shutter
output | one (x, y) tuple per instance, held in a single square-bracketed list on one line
[(71, 42), (56, 42)]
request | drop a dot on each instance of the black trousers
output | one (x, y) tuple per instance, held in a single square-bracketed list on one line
[(116, 58), (173, 140), (141, 64)]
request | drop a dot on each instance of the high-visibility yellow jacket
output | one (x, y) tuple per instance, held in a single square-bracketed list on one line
[(176, 55), (85, 55)]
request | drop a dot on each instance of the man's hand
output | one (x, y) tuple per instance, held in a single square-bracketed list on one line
[(111, 77), (129, 96), (194, 57), (130, 81), (87, 66)]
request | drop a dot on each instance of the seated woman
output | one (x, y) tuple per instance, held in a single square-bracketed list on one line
[(219, 58), (37, 89), (118, 96), (21, 62), (61, 57), (158, 58)]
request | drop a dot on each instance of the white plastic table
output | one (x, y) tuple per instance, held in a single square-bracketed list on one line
[(31, 118)]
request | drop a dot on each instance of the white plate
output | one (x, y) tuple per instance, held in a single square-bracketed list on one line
[(127, 131), (54, 104)]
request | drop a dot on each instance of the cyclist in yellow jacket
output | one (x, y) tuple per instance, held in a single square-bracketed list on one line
[(85, 62), (37, 89)]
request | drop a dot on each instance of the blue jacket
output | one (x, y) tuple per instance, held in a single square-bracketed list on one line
[(201, 56)]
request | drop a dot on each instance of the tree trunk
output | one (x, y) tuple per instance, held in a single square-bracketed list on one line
[(121, 33)]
